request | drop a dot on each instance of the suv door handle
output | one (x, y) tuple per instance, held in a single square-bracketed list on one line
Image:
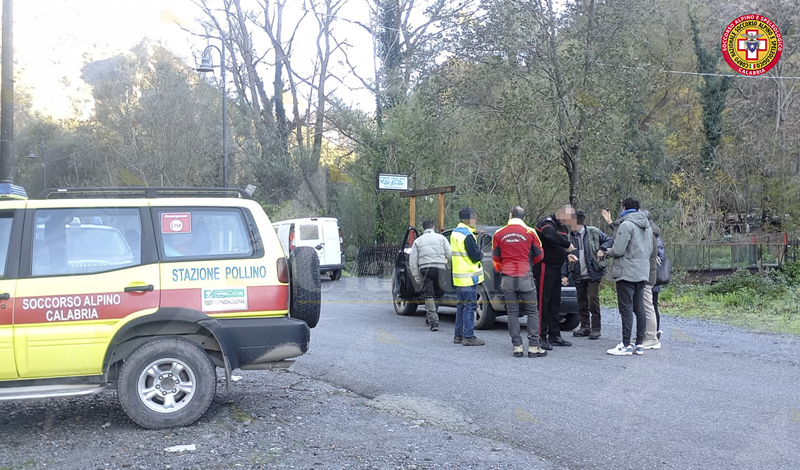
[(5, 296), (147, 288)]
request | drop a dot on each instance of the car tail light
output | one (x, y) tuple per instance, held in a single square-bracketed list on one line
[(341, 241), (283, 270), (412, 235), (291, 239)]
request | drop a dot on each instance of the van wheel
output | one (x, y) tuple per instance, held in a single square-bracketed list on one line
[(305, 285), (168, 382), (336, 274)]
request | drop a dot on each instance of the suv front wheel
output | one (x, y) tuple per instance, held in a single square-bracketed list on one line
[(167, 382), (485, 314), (401, 306)]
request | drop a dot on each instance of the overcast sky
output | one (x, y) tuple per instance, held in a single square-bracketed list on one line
[(54, 38)]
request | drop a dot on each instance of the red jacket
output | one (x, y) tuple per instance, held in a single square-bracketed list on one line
[(515, 249)]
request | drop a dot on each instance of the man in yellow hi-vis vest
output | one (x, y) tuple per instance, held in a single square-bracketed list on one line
[(467, 274)]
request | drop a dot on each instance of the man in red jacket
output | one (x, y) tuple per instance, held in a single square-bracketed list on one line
[(515, 248)]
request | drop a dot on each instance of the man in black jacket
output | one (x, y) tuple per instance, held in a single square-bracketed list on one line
[(590, 247), (553, 231)]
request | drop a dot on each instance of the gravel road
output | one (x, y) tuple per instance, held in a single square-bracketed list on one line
[(380, 391)]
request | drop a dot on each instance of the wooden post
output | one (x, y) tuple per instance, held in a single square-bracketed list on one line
[(427, 192), (412, 211), (441, 212)]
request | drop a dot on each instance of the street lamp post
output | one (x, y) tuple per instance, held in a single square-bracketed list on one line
[(206, 66), (32, 155), (44, 165)]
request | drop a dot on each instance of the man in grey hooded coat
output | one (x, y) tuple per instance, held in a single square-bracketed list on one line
[(633, 245), (430, 254)]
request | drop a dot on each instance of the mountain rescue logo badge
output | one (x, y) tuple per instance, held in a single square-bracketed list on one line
[(752, 44)]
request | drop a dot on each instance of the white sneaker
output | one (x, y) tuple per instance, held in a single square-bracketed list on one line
[(652, 344), (638, 350), (621, 350)]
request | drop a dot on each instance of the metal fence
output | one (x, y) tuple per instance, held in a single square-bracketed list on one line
[(793, 250), (376, 260), (769, 251)]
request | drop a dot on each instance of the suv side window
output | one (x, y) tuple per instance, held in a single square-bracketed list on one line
[(85, 241), (200, 233)]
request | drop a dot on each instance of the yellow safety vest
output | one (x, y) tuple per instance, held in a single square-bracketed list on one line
[(465, 272)]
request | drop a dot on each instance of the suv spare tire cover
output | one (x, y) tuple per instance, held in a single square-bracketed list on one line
[(306, 294)]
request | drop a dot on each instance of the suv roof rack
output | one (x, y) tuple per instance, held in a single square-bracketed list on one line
[(140, 192)]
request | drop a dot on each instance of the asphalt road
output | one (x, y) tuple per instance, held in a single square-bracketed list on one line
[(380, 391), (714, 397)]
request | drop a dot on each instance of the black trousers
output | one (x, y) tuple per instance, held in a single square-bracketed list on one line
[(548, 281), (655, 306), (630, 297), (432, 283)]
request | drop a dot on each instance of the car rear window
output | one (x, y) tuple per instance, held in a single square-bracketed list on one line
[(88, 242), (309, 232)]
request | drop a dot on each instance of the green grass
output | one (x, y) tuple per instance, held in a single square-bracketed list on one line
[(26, 464), (763, 302), (241, 416)]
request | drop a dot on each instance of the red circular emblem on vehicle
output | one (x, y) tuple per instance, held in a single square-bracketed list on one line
[(752, 44)]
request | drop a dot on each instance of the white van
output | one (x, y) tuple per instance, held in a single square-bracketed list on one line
[(322, 233)]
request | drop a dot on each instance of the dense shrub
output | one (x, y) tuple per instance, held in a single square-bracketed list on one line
[(743, 281), (744, 297), (790, 272)]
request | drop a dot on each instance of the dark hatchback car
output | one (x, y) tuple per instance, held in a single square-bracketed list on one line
[(407, 296)]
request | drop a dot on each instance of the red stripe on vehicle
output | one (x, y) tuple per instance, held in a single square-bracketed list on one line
[(116, 305), (259, 298), (81, 307), (6, 312)]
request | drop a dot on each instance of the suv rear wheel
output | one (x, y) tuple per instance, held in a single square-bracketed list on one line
[(570, 321), (167, 382)]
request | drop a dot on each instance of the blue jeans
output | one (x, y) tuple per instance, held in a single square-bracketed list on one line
[(465, 312)]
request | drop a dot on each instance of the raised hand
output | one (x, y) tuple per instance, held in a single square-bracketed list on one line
[(606, 215)]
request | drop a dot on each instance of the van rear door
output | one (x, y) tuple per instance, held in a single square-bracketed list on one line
[(331, 251), (307, 233)]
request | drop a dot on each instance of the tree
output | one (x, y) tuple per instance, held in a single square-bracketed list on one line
[(154, 119), (712, 93)]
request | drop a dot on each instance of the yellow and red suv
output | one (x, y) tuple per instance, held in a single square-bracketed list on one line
[(146, 290)]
